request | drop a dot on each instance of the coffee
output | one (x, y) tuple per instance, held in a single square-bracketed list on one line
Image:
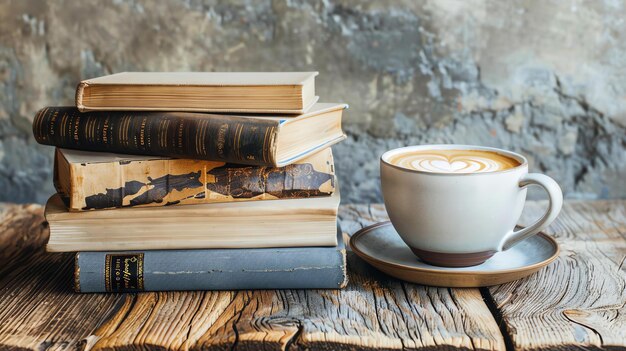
[(453, 161), (450, 218)]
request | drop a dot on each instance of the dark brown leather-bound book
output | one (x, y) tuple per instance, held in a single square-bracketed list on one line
[(99, 180), (274, 141), (242, 92)]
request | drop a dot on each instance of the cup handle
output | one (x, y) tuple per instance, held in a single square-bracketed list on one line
[(556, 202)]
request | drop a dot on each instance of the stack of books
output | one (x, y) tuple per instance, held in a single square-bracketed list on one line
[(196, 181)]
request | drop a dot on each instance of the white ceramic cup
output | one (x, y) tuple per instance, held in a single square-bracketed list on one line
[(462, 219)]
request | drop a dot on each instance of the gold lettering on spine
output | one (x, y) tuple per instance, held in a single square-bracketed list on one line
[(107, 273), (181, 128), (142, 132), (105, 130), (124, 272), (140, 273), (221, 139), (75, 129), (127, 275), (148, 135), (52, 122)]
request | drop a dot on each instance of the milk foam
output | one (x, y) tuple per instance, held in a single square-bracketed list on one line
[(453, 161)]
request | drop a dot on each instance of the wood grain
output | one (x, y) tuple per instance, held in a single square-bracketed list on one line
[(576, 303), (579, 301), (39, 311), (22, 230)]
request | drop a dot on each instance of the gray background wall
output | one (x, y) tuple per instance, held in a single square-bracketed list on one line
[(545, 78)]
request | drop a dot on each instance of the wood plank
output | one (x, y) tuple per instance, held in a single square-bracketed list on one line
[(373, 312), (39, 311), (22, 230), (579, 301)]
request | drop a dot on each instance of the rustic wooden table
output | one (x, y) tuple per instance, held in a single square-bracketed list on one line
[(579, 301)]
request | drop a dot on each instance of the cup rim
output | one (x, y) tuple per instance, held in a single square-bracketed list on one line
[(518, 157)]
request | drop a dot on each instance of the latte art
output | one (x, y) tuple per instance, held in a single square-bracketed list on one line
[(453, 161)]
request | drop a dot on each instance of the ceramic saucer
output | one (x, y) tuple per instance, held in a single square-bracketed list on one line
[(381, 246)]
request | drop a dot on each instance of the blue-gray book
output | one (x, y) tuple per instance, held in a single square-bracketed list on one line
[(212, 269)]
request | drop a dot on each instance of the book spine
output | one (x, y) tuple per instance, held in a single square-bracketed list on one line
[(176, 134), (161, 182), (172, 270)]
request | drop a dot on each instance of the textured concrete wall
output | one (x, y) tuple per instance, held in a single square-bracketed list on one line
[(545, 78)]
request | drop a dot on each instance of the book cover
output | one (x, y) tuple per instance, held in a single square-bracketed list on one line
[(216, 269), (96, 180), (253, 140), (242, 224), (224, 92)]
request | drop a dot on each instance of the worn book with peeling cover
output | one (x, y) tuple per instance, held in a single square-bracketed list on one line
[(98, 180), (216, 269), (260, 140), (224, 92)]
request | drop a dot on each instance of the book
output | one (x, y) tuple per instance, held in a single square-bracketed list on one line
[(250, 224), (242, 92), (89, 180), (274, 141), (215, 269)]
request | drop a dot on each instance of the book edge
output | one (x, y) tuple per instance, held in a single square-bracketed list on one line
[(306, 153), (94, 81), (297, 112), (78, 99)]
